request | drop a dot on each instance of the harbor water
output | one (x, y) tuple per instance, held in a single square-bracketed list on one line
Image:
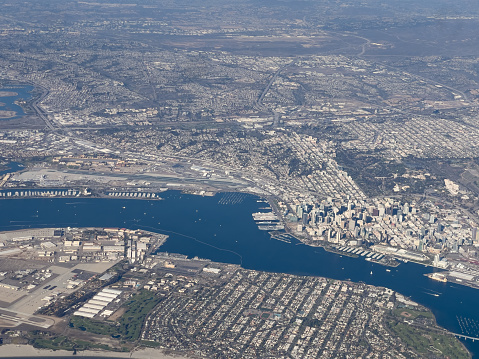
[(21, 93), (221, 228)]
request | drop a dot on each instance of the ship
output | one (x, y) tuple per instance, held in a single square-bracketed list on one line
[(437, 276), (277, 227)]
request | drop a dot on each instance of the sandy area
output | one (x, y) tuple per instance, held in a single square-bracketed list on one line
[(12, 350), (8, 94), (7, 114)]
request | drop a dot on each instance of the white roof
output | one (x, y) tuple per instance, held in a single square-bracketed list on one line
[(98, 302), (108, 295), (84, 314), (103, 298), (461, 275), (93, 306), (112, 291), (89, 310)]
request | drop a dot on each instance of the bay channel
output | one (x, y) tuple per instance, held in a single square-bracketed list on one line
[(221, 228)]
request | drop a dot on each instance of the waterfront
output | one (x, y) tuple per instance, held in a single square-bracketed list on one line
[(14, 93), (11, 167), (217, 229)]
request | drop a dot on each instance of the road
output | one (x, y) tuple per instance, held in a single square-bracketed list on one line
[(259, 103), (40, 112)]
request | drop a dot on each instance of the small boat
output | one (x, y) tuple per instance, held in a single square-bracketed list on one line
[(371, 273), (388, 270)]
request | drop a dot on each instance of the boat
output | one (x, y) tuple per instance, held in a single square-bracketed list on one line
[(388, 270), (437, 276)]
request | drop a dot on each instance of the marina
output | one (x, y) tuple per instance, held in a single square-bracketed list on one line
[(228, 234), (40, 193), (230, 198), (138, 195), (284, 237), (343, 253), (357, 252)]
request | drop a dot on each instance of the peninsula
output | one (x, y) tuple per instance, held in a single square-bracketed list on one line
[(110, 289)]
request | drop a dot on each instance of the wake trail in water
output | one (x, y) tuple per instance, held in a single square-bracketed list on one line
[(199, 241)]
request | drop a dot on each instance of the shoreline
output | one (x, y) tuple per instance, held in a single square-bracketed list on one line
[(22, 350), (103, 354), (6, 114), (8, 94)]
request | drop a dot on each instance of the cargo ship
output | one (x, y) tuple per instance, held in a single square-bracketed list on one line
[(437, 276)]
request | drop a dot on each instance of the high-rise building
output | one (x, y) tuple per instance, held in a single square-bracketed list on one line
[(455, 247), (305, 218), (439, 227), (356, 233), (381, 211), (299, 212), (436, 261), (352, 225)]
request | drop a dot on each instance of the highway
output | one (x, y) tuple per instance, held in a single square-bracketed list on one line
[(259, 103), (40, 112)]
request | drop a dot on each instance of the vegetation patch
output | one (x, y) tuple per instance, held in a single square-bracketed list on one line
[(129, 325), (65, 343), (412, 314), (138, 308), (427, 342), (93, 326)]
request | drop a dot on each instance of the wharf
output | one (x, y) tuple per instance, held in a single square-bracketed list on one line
[(337, 251)]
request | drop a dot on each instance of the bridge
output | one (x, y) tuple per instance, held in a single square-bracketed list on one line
[(464, 336)]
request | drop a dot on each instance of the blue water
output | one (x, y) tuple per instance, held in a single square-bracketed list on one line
[(200, 226), (23, 92), (12, 167)]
